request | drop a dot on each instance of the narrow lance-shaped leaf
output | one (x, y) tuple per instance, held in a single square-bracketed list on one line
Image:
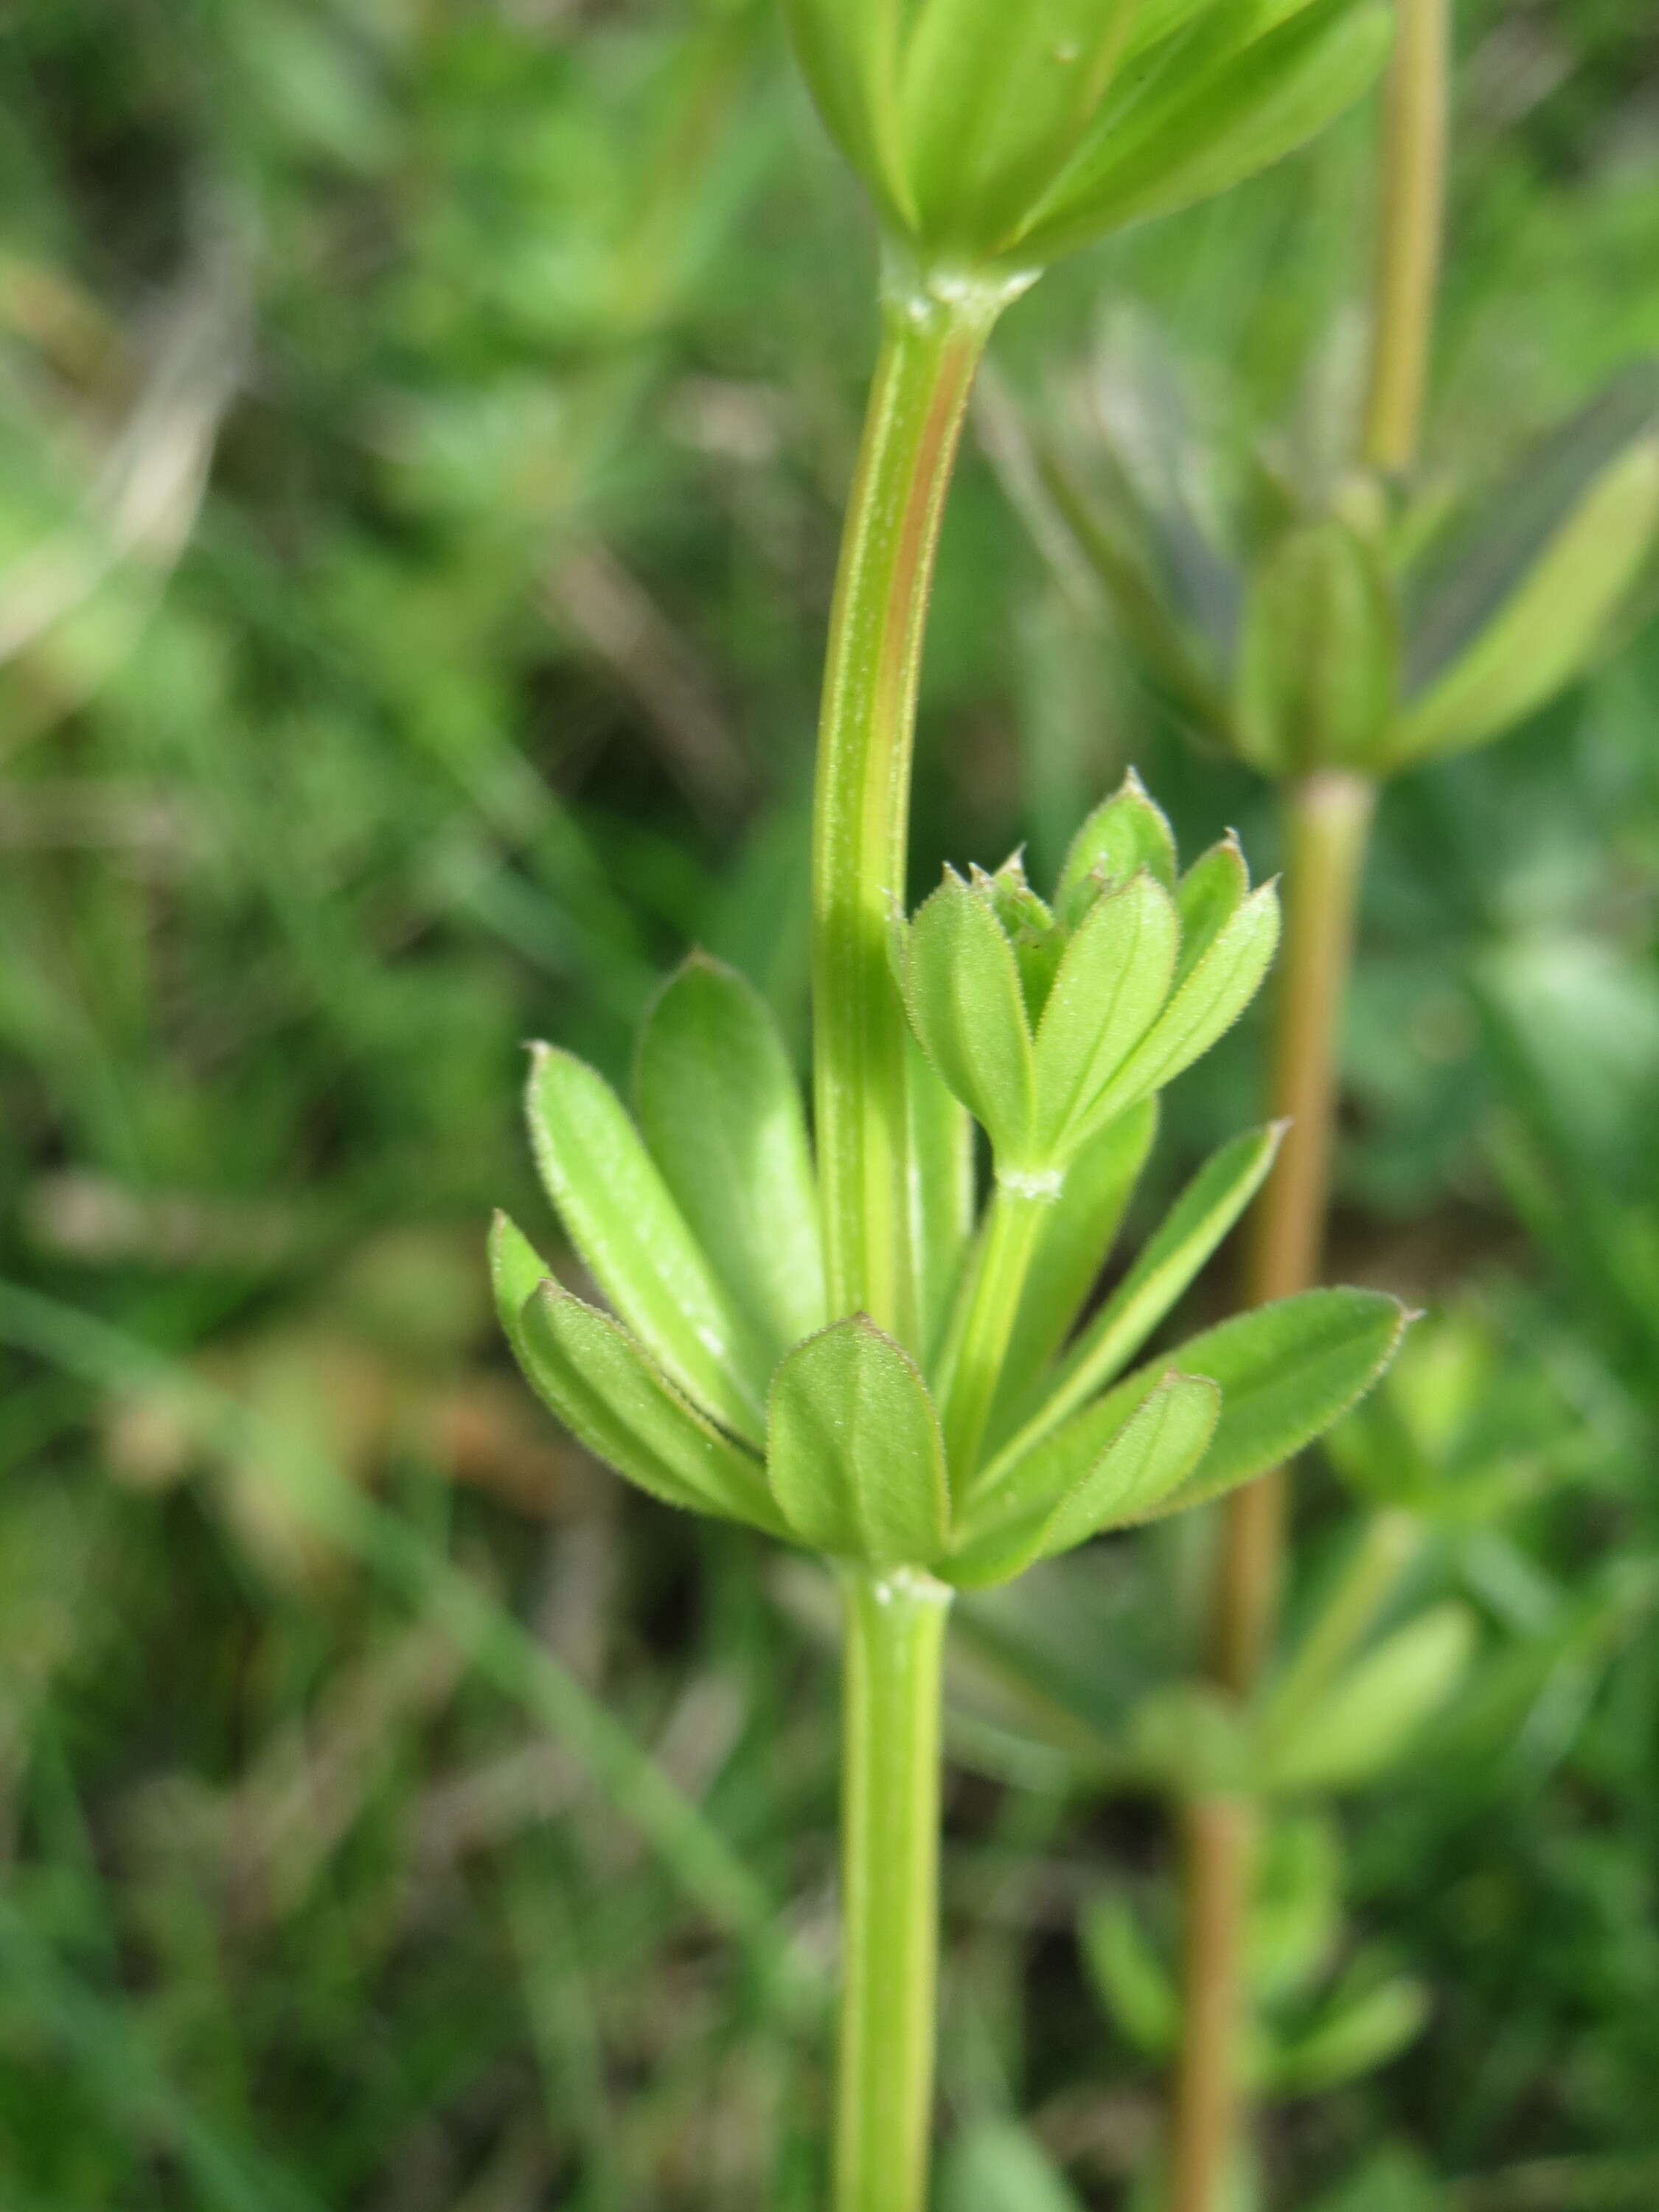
[(1137, 1988), (1155, 1450), (1076, 1239), (854, 1455), (1547, 629), (1029, 927), (1207, 898), (1166, 1267), (941, 1186), (516, 1269), (720, 1113), (849, 54), (962, 989), (1354, 2032), (615, 1400), (1205, 1006), (1207, 135), (995, 98), (1108, 991), (1286, 1371), (1365, 1719), (617, 1213), (1450, 600)]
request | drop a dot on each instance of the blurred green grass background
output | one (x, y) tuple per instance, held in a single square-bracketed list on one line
[(423, 430)]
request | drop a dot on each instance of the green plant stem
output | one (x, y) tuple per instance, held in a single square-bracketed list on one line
[(931, 341), (1415, 131), (977, 1343), (1328, 819), (1217, 1838), (895, 1642)]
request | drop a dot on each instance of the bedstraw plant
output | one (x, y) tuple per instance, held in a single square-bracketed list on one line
[(828, 1337)]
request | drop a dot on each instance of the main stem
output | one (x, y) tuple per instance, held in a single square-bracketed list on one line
[(1327, 817), (931, 341), (893, 1650), (933, 335)]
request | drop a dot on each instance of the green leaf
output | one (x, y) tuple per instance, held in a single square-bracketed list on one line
[(1286, 1371), (614, 1400), (515, 1270), (962, 987), (1450, 600), (1318, 661), (1221, 985), (1208, 896), (1359, 2029), (1133, 1982), (941, 1185), (849, 53), (995, 2166), (1076, 1238), (1028, 925), (1366, 1718), (1212, 129), (1547, 629), (1109, 989), (1035, 1515), (995, 99), (854, 1455), (720, 1113), (1125, 833), (1296, 1909), (617, 1213), (1167, 1265)]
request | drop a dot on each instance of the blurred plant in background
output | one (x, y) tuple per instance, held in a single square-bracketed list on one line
[(305, 1902)]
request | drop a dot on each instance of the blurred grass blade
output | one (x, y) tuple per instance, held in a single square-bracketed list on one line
[(116, 2064), (403, 1557)]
